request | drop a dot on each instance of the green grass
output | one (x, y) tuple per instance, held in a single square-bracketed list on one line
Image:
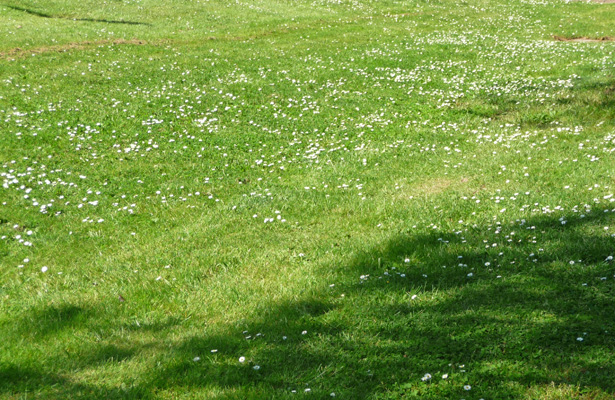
[(348, 194)]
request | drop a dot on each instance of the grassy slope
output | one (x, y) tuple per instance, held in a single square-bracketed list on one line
[(454, 144)]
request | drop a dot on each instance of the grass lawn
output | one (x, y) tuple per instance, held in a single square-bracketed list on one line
[(271, 199)]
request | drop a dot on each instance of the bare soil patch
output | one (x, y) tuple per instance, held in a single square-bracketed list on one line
[(584, 39), (19, 52), (430, 187), (433, 186)]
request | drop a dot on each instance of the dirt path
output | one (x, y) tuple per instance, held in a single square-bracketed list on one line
[(19, 52), (584, 39)]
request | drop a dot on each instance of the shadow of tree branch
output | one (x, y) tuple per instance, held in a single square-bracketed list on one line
[(44, 15)]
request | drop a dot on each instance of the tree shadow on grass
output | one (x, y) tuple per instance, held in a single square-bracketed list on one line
[(33, 381), (590, 100), (19, 381), (516, 315), (52, 375), (51, 320), (44, 15), (533, 312)]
